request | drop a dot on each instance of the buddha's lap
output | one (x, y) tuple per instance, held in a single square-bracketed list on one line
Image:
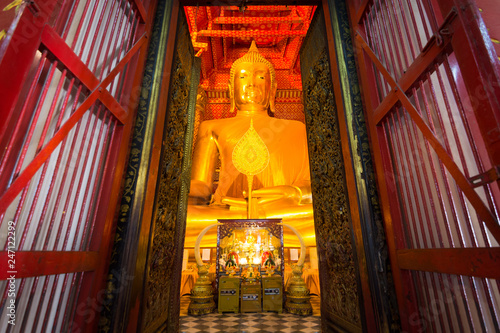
[(299, 217)]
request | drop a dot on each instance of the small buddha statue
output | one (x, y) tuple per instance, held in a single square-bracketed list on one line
[(283, 189)]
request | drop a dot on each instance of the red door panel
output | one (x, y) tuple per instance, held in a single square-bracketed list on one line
[(68, 73), (431, 94)]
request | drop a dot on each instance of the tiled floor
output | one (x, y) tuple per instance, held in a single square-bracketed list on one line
[(250, 322)]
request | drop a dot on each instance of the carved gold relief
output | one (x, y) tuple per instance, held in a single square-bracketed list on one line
[(164, 240), (333, 232)]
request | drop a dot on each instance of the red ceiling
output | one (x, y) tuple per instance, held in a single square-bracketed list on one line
[(220, 35)]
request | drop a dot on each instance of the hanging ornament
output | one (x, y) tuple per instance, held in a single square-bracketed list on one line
[(250, 157)]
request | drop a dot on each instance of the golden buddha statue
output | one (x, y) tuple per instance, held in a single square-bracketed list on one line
[(283, 189)]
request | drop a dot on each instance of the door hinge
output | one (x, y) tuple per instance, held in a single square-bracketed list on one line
[(444, 32), (487, 177)]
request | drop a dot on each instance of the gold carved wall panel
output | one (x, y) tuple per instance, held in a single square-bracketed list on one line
[(161, 293), (338, 276)]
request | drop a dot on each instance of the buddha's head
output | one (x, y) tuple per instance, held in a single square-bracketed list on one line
[(252, 82)]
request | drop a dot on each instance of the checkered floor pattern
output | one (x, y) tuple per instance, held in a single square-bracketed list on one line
[(250, 322)]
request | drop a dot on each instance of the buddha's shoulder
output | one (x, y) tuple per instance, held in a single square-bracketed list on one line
[(293, 124), (216, 122), (213, 123)]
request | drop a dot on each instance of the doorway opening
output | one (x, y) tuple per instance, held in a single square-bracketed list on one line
[(220, 35)]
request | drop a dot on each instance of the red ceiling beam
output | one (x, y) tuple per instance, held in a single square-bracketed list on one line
[(243, 34), (252, 4), (259, 8), (256, 20)]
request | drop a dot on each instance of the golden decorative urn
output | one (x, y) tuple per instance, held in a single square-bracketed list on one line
[(297, 295), (202, 298)]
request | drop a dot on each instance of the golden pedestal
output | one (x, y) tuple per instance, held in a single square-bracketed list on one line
[(202, 298), (250, 297), (297, 295), (229, 294), (272, 294)]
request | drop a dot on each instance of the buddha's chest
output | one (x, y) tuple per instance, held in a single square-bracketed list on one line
[(277, 139), (276, 146)]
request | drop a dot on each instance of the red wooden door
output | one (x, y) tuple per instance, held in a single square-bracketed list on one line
[(69, 79), (431, 88)]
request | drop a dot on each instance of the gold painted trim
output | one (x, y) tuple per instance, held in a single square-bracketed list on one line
[(153, 105), (139, 201), (346, 93)]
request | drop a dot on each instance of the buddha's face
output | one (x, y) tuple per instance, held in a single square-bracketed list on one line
[(251, 86)]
